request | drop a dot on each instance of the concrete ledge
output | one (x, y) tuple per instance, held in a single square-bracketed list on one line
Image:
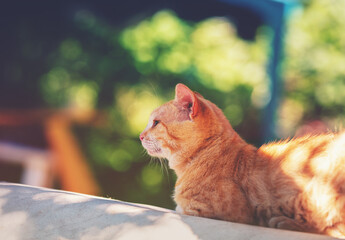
[(36, 213)]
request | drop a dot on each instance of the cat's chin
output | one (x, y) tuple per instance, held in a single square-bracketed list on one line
[(154, 152), (152, 148)]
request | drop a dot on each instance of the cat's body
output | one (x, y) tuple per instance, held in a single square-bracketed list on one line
[(297, 184)]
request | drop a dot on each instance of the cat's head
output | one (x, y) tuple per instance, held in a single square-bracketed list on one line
[(181, 127)]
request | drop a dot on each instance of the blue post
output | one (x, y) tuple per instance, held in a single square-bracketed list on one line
[(273, 13)]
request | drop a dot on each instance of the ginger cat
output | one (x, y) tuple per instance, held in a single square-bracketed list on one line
[(296, 184)]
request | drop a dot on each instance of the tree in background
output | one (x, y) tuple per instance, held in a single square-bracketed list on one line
[(314, 70)]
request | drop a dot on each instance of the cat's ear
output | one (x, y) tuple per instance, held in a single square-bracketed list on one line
[(187, 99)]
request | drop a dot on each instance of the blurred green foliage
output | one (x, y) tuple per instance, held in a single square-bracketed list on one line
[(129, 71), (314, 70)]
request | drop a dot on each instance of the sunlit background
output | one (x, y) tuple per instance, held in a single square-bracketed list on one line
[(81, 70)]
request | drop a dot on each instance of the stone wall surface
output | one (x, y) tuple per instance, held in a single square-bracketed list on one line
[(28, 212)]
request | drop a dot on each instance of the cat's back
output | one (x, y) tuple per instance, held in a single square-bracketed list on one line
[(315, 156)]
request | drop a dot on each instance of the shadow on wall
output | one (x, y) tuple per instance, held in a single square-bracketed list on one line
[(28, 212)]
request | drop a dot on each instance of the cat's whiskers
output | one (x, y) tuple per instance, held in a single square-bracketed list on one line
[(163, 167), (144, 152)]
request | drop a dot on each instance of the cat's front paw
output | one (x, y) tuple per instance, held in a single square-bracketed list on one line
[(187, 211), (192, 212), (283, 222)]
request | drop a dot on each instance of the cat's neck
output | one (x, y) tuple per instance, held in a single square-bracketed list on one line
[(219, 150)]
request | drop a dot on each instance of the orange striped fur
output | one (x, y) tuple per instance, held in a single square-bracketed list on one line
[(296, 184)]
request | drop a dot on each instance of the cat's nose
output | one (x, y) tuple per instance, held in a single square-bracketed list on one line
[(141, 137)]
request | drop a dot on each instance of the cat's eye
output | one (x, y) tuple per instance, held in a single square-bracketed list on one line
[(155, 123)]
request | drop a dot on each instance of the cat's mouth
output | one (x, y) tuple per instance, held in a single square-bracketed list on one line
[(151, 147), (153, 151)]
